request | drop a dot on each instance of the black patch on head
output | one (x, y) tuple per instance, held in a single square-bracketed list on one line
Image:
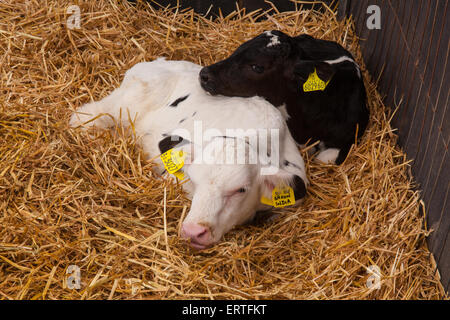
[(170, 142), (299, 188), (176, 102)]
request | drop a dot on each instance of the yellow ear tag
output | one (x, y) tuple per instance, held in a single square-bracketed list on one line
[(314, 83), (266, 201), (179, 174), (281, 197), (173, 161)]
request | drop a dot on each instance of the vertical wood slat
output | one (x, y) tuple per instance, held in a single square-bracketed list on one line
[(413, 46)]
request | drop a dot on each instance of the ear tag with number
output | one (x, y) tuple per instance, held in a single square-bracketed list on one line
[(314, 83), (173, 161), (281, 197)]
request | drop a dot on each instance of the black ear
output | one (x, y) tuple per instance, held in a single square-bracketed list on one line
[(325, 71), (304, 68), (299, 188), (170, 142)]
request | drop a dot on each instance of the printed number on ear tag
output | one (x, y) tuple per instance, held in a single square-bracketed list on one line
[(314, 83), (281, 197), (173, 161)]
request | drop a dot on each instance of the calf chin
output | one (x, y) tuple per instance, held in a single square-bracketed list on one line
[(212, 83)]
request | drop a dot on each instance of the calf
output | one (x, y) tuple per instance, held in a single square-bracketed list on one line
[(168, 106), (330, 107)]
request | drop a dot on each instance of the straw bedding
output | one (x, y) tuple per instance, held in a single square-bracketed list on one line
[(68, 198)]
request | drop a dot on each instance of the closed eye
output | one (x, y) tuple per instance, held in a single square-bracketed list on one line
[(237, 192), (257, 69)]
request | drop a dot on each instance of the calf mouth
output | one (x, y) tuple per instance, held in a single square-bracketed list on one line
[(209, 87), (198, 246), (216, 90)]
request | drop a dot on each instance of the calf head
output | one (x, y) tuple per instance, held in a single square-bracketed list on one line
[(225, 195), (252, 70), (272, 65)]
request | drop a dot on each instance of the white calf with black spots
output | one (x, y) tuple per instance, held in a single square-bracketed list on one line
[(169, 107)]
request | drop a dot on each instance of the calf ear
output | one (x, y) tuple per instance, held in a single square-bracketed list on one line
[(325, 71), (304, 68), (283, 178), (170, 142), (180, 144)]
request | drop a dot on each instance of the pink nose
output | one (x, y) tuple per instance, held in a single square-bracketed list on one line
[(200, 235)]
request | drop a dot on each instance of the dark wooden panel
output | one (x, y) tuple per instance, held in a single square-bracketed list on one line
[(410, 57), (227, 6)]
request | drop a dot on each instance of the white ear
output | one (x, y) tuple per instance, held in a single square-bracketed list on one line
[(280, 179)]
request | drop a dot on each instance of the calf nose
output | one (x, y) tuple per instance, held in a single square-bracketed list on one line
[(199, 235), (204, 76)]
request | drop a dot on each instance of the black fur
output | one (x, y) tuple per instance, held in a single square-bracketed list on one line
[(278, 73), (299, 188), (176, 102), (182, 120), (169, 142)]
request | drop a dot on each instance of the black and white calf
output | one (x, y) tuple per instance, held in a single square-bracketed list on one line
[(276, 66), (170, 107)]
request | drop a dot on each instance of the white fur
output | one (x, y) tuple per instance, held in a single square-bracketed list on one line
[(284, 112), (339, 60), (273, 39), (328, 155), (145, 96), (345, 58)]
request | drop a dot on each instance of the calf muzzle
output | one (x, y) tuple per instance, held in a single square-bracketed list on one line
[(200, 236)]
